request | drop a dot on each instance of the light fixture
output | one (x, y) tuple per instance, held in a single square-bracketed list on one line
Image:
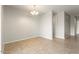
[(34, 11)]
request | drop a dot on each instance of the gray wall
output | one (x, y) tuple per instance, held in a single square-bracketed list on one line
[(18, 25)]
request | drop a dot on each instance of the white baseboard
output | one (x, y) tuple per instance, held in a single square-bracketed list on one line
[(72, 35), (46, 37), (60, 37), (29, 38), (21, 39)]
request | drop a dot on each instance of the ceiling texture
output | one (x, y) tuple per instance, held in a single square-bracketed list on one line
[(70, 9)]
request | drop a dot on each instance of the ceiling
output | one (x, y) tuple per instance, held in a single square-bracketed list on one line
[(70, 9)]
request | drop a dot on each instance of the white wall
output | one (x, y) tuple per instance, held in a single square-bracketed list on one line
[(67, 25), (78, 26), (63, 27), (46, 26), (18, 25), (59, 25), (0, 28), (72, 26)]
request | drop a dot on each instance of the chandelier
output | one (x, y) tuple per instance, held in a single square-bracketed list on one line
[(34, 11)]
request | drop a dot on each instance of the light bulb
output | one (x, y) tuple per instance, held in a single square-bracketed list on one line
[(34, 12)]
